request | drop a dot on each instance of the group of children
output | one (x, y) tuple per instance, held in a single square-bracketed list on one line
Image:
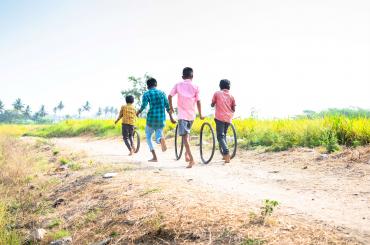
[(187, 101)]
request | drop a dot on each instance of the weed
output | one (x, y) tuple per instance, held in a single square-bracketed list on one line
[(251, 241), (55, 152), (92, 215), (59, 234), (150, 191), (268, 207), (74, 166), (54, 223), (63, 161)]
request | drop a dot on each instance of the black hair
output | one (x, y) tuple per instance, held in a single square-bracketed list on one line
[(224, 84), (187, 72), (151, 83), (129, 99)]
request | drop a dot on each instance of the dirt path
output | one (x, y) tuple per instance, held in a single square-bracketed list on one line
[(333, 191)]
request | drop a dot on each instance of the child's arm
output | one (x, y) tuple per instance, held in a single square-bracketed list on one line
[(170, 104), (119, 116), (199, 105), (233, 105), (214, 100), (143, 105), (167, 104)]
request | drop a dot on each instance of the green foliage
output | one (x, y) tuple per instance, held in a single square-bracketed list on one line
[(137, 87), (268, 207), (54, 223), (7, 235), (251, 241), (59, 234), (275, 135)]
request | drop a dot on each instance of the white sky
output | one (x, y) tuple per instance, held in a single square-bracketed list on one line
[(281, 56)]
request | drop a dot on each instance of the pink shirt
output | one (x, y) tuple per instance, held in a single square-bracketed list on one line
[(188, 95), (224, 102)]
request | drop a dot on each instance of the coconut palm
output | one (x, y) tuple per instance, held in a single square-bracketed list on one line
[(99, 113), (27, 112), (106, 110), (18, 105), (79, 112), (60, 106), (1, 107), (87, 106), (42, 112)]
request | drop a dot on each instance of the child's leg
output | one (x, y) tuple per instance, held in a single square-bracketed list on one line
[(149, 132), (131, 138), (221, 137), (125, 135), (160, 138)]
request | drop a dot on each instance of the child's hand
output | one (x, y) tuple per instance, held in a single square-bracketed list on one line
[(173, 121), (201, 117)]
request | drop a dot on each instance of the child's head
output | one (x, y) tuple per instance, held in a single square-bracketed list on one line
[(129, 99), (187, 73), (151, 83), (225, 84)]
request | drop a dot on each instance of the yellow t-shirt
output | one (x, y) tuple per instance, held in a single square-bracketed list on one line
[(128, 114)]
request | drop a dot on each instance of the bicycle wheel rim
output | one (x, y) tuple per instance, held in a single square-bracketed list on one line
[(201, 143), (136, 140), (233, 154), (178, 139)]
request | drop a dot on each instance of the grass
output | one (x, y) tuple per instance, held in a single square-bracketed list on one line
[(59, 234), (275, 135)]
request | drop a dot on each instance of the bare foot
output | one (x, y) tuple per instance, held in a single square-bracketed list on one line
[(153, 160), (131, 153), (187, 157), (191, 164), (133, 149), (227, 158), (163, 144)]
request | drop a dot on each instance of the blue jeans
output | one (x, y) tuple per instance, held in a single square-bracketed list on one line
[(158, 135), (221, 130)]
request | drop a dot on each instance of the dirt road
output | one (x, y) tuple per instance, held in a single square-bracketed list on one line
[(333, 191)]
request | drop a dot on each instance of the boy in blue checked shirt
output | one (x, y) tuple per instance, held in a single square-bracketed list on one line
[(156, 117)]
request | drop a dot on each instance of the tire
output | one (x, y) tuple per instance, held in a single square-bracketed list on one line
[(178, 138), (205, 125), (136, 140), (235, 137)]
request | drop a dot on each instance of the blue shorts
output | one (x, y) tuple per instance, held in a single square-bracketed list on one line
[(184, 127)]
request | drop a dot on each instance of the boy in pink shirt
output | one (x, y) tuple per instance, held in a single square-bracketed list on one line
[(225, 108), (187, 97)]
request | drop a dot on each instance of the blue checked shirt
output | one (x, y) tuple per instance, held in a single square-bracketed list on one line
[(158, 103)]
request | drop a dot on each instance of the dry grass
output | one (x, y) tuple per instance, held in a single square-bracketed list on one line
[(169, 213), (138, 206)]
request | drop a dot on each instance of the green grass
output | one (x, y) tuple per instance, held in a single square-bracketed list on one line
[(275, 134), (59, 234), (7, 235)]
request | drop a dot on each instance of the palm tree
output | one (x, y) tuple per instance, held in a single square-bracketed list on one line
[(87, 106), (79, 112), (60, 106), (42, 112), (106, 110), (55, 109), (1, 107), (18, 105), (27, 112), (99, 113)]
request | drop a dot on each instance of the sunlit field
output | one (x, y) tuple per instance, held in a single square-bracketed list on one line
[(276, 135)]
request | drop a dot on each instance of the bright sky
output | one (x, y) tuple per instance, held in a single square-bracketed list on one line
[(281, 56)]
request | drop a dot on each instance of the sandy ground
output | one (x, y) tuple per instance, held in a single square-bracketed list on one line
[(334, 191)]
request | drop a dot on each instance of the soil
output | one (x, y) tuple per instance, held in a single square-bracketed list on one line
[(330, 190)]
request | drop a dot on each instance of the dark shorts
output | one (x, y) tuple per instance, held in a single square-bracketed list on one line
[(127, 130), (184, 127)]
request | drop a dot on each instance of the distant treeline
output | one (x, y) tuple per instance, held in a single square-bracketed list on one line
[(348, 112), (21, 113)]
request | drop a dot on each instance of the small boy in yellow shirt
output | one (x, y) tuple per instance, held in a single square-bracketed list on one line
[(128, 115)]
